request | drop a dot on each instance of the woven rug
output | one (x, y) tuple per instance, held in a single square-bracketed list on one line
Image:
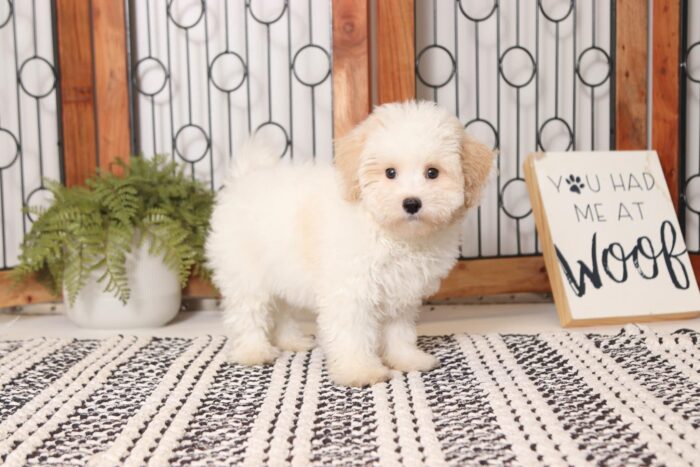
[(552, 399)]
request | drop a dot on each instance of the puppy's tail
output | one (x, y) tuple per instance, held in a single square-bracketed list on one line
[(255, 154)]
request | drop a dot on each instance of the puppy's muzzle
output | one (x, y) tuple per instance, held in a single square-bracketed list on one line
[(412, 205)]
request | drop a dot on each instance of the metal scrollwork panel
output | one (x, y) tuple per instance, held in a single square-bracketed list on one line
[(690, 123), (523, 76), (205, 74), (29, 124)]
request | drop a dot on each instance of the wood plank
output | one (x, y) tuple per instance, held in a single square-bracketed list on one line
[(111, 81), (27, 293), (629, 319), (74, 43), (467, 279), (200, 288), (31, 291), (494, 277), (551, 263), (396, 56), (666, 100), (631, 74), (351, 64), (542, 226), (695, 261)]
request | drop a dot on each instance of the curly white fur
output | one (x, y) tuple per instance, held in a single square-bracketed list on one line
[(337, 240)]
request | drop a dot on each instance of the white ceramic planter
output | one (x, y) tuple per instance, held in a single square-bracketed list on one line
[(154, 301)]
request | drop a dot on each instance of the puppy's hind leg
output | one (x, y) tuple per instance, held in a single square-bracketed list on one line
[(248, 320)]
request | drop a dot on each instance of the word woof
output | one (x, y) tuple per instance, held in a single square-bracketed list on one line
[(646, 258)]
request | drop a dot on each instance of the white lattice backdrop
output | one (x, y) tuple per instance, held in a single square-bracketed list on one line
[(37, 118), (692, 142), (537, 44)]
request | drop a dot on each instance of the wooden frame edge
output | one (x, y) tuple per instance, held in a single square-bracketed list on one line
[(477, 277), (92, 53), (31, 291), (629, 319), (26, 293), (351, 64), (198, 287), (695, 263), (631, 20), (111, 82), (396, 56), (666, 96), (468, 278), (77, 86), (542, 225)]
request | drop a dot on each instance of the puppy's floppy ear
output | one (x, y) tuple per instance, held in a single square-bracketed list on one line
[(348, 152), (477, 162)]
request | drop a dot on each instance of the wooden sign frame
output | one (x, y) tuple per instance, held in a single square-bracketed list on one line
[(551, 263)]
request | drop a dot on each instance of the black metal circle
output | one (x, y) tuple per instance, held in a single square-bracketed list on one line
[(552, 120), (475, 19), (40, 60), (580, 59), (220, 57), (685, 194), (687, 57), (268, 22), (186, 26), (135, 75), (489, 125), (16, 142), (204, 135), (503, 196), (10, 12), (502, 71), (31, 195), (328, 61), (287, 142), (556, 20), (452, 61)]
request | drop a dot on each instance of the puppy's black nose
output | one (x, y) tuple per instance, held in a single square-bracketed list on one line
[(411, 205)]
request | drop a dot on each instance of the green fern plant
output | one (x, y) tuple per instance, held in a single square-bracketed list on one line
[(93, 228)]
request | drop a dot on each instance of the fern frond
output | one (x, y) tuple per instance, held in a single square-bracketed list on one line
[(89, 229)]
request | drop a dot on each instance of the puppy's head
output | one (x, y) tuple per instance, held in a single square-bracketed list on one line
[(413, 167)]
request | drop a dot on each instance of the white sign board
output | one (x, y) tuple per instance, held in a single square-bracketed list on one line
[(610, 236)]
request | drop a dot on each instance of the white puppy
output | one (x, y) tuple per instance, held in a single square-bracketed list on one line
[(360, 243)]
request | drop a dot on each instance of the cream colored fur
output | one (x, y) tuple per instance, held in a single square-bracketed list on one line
[(337, 240)]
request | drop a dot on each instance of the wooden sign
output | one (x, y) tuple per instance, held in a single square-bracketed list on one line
[(610, 237)]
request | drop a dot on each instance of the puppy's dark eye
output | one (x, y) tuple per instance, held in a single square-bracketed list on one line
[(432, 173), (390, 172)]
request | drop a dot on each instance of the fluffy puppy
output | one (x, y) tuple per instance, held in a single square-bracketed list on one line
[(360, 243)]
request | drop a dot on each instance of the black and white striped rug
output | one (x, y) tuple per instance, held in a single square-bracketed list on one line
[(548, 399)]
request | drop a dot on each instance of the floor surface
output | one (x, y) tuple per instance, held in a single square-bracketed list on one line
[(434, 320)]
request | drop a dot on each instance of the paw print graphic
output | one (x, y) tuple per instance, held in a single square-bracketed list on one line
[(575, 184)]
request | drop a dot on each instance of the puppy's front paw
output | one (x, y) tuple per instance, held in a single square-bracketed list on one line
[(411, 360), (251, 355), (359, 375)]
